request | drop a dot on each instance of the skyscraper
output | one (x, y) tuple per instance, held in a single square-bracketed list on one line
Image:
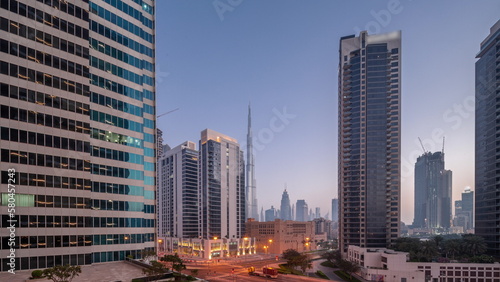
[(286, 212), (222, 186), (369, 128), (487, 223), (302, 211), (317, 214), (78, 127), (251, 193), (335, 210), (262, 217), (464, 210), (270, 214), (432, 192), (468, 205), (178, 192)]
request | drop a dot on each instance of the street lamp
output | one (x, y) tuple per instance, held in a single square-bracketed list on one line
[(265, 248), (160, 244), (270, 242)]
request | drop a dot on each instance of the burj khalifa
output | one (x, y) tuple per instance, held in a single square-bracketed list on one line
[(251, 193)]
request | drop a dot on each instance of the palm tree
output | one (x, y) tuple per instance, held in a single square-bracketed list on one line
[(452, 247), (474, 245), (429, 250), (348, 267), (438, 239)]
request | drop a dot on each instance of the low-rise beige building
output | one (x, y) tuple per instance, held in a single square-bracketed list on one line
[(206, 248), (388, 265), (274, 237)]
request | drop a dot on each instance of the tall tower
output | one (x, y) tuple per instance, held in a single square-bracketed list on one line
[(286, 212), (464, 210), (487, 223), (222, 186), (251, 193), (78, 125), (302, 211), (335, 210), (270, 214), (432, 192), (468, 206), (369, 133), (178, 192)]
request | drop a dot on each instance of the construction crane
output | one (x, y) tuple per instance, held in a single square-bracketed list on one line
[(422, 144), (158, 116)]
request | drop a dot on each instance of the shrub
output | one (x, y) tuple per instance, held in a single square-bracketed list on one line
[(328, 264), (345, 276), (322, 275), (62, 272), (35, 274)]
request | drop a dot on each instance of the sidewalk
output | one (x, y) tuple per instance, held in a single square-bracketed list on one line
[(328, 271), (109, 271)]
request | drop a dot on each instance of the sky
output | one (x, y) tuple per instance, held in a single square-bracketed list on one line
[(216, 57)]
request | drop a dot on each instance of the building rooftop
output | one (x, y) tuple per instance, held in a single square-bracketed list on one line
[(209, 134)]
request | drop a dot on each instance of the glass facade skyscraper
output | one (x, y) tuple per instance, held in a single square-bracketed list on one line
[(222, 201), (78, 127), (302, 212), (285, 209), (178, 192), (335, 210), (433, 189), (487, 215), (369, 128)]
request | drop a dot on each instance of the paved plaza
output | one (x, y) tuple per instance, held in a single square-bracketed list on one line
[(102, 272)]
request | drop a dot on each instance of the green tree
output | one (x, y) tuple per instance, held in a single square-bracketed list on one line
[(409, 245), (175, 261), (301, 261), (452, 247), (147, 254), (333, 257), (290, 253), (428, 250), (178, 266), (438, 239), (306, 264), (60, 273), (482, 259), (157, 268), (473, 245), (348, 267)]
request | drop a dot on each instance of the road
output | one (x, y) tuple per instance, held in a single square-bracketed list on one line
[(236, 270)]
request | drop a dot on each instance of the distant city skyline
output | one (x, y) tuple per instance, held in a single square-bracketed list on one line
[(285, 63)]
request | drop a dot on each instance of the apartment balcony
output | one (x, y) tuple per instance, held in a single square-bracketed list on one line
[(346, 87)]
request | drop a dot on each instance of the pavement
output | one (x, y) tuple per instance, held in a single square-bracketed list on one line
[(101, 272), (328, 271)]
